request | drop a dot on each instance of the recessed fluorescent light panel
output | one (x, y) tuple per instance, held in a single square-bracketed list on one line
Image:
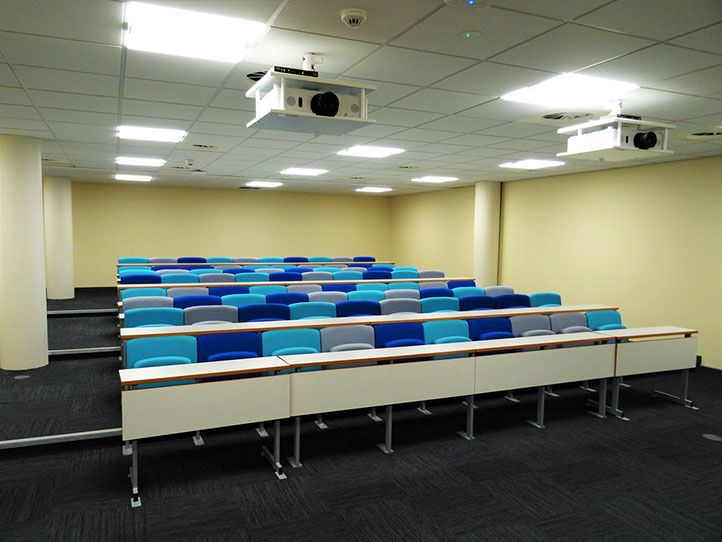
[(373, 189), (310, 172), (367, 151), (141, 133), (434, 179), (137, 178), (532, 163), (572, 90), (136, 161), (172, 31), (263, 184)]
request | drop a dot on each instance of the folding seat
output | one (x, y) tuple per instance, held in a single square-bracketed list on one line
[(366, 295), (431, 274), (269, 270), (346, 338), (169, 267), (320, 259), (303, 288), (295, 259), (364, 259), (467, 291), (235, 270), (432, 284), (287, 342), (135, 292), (133, 259), (200, 270), (299, 269), (245, 259), (179, 278), (138, 270), (604, 320), (184, 301), (317, 275), (191, 259), (160, 351), (226, 346), (270, 259), (328, 269), (403, 268), (446, 331), (396, 306), (153, 316), (439, 304), (197, 290), (266, 312), (338, 287), (357, 308), (436, 292), (453, 284), (511, 301), (484, 329), (241, 300), (311, 310), (140, 279), (174, 271), (162, 259), (217, 277), (404, 274), (377, 286), (267, 290), (569, 322), (402, 294), (219, 259), (147, 302), (210, 314), (375, 275), (402, 334), (403, 286), (545, 299), (342, 259), (220, 291), (354, 268), (252, 277), (347, 275), (477, 303), (531, 325), (498, 290), (286, 298), (328, 297), (285, 277)]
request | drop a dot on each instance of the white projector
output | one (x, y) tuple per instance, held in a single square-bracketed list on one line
[(293, 102), (616, 138)]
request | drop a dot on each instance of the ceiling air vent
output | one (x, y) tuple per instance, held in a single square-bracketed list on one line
[(255, 76), (705, 135), (565, 116), (406, 166)]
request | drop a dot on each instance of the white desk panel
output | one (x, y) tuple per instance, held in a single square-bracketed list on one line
[(654, 356)]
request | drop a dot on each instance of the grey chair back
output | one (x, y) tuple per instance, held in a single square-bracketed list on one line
[(498, 290), (343, 338), (433, 284), (162, 259), (568, 322), (269, 270), (146, 301), (195, 290), (431, 274), (402, 294), (395, 306), (303, 288), (245, 260), (342, 259), (217, 277), (214, 313), (328, 297), (351, 268), (317, 275), (171, 271), (522, 325)]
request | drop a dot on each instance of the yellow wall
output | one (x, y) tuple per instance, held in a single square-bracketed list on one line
[(434, 230), (125, 220), (648, 238)]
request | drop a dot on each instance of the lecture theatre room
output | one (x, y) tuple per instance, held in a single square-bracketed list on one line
[(361, 270)]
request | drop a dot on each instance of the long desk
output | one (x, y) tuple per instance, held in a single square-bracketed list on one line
[(257, 264), (485, 366)]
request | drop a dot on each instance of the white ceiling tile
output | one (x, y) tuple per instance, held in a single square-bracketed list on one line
[(154, 149), (707, 39), (159, 91), (652, 64), (443, 148), (79, 148), (559, 9), (516, 129), (83, 132), (176, 69), (253, 10), (286, 47), (18, 111), (668, 105), (155, 122), (475, 140), (163, 110), (498, 30), (343, 140), (492, 79), (702, 83), (239, 131), (418, 134), (459, 123), (233, 99), (283, 136), (24, 124), (269, 144), (200, 159), (67, 81), (303, 155), (376, 130), (409, 67), (226, 116), (59, 53), (657, 19), (386, 93), (405, 144), (80, 117), (402, 117), (7, 78), (40, 134), (80, 102), (509, 111), (570, 48), (13, 96), (519, 144), (222, 169), (708, 120), (440, 101)]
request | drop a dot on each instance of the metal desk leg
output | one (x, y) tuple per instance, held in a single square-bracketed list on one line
[(470, 406), (275, 458), (510, 397), (386, 445), (372, 414), (127, 447), (198, 439), (295, 461), (586, 387), (261, 430), (319, 422), (539, 422), (548, 390), (422, 408), (601, 411), (135, 494), (623, 384), (682, 398), (614, 409)]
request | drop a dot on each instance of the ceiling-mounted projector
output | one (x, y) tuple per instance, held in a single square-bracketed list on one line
[(299, 101), (616, 138)]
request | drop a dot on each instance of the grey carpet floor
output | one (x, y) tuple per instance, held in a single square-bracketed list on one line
[(86, 298)]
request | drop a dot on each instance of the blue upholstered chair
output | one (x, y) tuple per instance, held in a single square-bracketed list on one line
[(210, 314), (439, 304), (436, 292), (133, 259), (295, 259), (431, 274), (303, 288), (137, 270), (366, 295), (146, 302), (329, 269), (245, 259), (357, 308), (216, 277), (317, 275), (286, 298), (403, 286), (476, 303), (402, 294), (462, 284), (402, 334), (483, 329), (467, 291), (433, 284), (241, 300), (225, 346), (185, 301), (267, 290), (376, 275), (220, 291), (569, 322), (320, 259), (531, 325), (140, 279), (445, 332), (400, 305), (179, 278), (511, 301), (347, 275), (346, 338), (327, 297), (404, 274), (402, 267), (271, 259), (202, 270), (265, 312), (312, 309), (219, 259), (285, 276), (338, 287), (162, 259), (152, 316), (134, 292), (191, 290), (375, 286), (287, 342), (191, 259), (498, 290), (252, 277), (364, 259), (545, 299), (604, 320), (181, 349)]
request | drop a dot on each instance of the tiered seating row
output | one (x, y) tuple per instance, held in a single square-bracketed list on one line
[(243, 260)]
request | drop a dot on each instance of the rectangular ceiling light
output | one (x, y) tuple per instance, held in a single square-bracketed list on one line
[(263, 184), (129, 177), (137, 161), (303, 171), (141, 133), (572, 90), (532, 163), (173, 31), (373, 189), (434, 179), (367, 151)]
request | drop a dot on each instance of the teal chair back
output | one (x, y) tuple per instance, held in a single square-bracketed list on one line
[(179, 278), (219, 259), (468, 291), (160, 347), (404, 274), (403, 285), (133, 259), (267, 290), (136, 292), (312, 309), (241, 300), (446, 331), (545, 299), (280, 342), (252, 277), (439, 304), (366, 295), (320, 259), (347, 275), (168, 316), (604, 320), (376, 286)]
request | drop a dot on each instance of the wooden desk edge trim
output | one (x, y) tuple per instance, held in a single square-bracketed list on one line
[(167, 285), (229, 372)]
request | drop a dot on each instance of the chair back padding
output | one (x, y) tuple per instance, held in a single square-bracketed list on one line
[(438, 304), (404, 286), (366, 295), (436, 292), (404, 274), (564, 320), (431, 274), (477, 302), (356, 308), (140, 278), (265, 311), (135, 292), (195, 290), (271, 259), (317, 275), (217, 277), (179, 278), (347, 275), (167, 316), (341, 259), (375, 275), (267, 290), (214, 344), (489, 328), (462, 284), (146, 302), (133, 259), (523, 324), (303, 288), (241, 300), (374, 286), (312, 309), (219, 259), (320, 259), (220, 291), (295, 259), (498, 290), (191, 259), (401, 334), (601, 320), (328, 297), (432, 284), (282, 339), (204, 313), (508, 301), (285, 276), (545, 299), (338, 287), (334, 337), (174, 271), (287, 298), (435, 332), (252, 277), (185, 301), (153, 347), (467, 291), (402, 294), (364, 259), (245, 259), (395, 306)]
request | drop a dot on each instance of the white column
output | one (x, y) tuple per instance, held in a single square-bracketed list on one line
[(487, 203), (58, 214), (23, 311)]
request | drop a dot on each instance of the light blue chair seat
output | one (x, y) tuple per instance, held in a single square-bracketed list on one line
[(376, 286)]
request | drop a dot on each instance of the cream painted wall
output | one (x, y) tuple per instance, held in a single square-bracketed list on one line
[(646, 238), (434, 230), (124, 220)]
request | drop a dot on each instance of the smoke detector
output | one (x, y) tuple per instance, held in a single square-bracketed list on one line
[(353, 17)]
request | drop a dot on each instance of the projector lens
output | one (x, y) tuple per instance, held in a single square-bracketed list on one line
[(645, 140), (325, 105)]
